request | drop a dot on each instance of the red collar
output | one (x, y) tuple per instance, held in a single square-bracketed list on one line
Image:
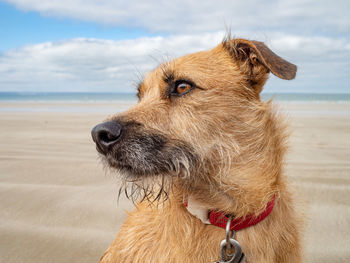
[(220, 219)]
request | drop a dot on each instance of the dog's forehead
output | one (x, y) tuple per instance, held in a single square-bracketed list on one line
[(196, 66), (199, 62), (191, 62)]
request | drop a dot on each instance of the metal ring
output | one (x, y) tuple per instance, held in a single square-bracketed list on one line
[(228, 232)]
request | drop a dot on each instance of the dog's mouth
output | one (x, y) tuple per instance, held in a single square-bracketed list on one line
[(142, 153)]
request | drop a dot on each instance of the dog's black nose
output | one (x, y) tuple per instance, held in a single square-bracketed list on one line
[(106, 134)]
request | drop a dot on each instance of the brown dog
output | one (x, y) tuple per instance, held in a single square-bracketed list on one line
[(201, 132)]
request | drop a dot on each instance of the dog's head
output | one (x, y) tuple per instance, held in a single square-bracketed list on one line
[(200, 120)]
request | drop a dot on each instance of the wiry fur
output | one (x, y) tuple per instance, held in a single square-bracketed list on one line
[(219, 143)]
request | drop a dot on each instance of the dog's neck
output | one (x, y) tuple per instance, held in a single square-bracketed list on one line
[(219, 219), (240, 202)]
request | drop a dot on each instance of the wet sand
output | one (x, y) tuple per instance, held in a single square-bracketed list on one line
[(58, 204)]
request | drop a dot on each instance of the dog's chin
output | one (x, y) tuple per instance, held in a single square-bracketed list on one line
[(151, 181), (141, 184), (137, 171)]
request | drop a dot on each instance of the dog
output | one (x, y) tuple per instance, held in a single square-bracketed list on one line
[(199, 148)]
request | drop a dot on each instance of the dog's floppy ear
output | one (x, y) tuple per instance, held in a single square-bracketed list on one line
[(255, 60)]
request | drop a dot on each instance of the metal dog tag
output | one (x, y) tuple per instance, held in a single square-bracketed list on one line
[(237, 257), (230, 244)]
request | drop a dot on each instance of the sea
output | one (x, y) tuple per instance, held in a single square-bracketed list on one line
[(110, 103), (131, 97)]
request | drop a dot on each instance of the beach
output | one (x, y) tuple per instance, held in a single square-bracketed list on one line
[(59, 204)]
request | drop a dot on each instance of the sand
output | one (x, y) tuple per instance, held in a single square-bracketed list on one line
[(58, 204)]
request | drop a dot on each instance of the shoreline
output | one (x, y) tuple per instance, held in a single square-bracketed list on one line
[(289, 108)]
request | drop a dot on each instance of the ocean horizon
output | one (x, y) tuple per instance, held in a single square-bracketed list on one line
[(131, 97)]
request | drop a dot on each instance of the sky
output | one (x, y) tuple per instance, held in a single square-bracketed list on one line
[(107, 45)]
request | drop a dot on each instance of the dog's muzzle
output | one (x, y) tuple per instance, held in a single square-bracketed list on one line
[(130, 147)]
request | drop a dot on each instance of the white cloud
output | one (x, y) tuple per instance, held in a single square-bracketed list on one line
[(92, 64), (314, 34), (105, 65), (182, 16)]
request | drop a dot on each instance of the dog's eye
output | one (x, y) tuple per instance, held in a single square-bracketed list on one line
[(182, 88)]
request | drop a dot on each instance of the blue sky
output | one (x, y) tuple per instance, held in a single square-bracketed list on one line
[(91, 45), (19, 28)]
